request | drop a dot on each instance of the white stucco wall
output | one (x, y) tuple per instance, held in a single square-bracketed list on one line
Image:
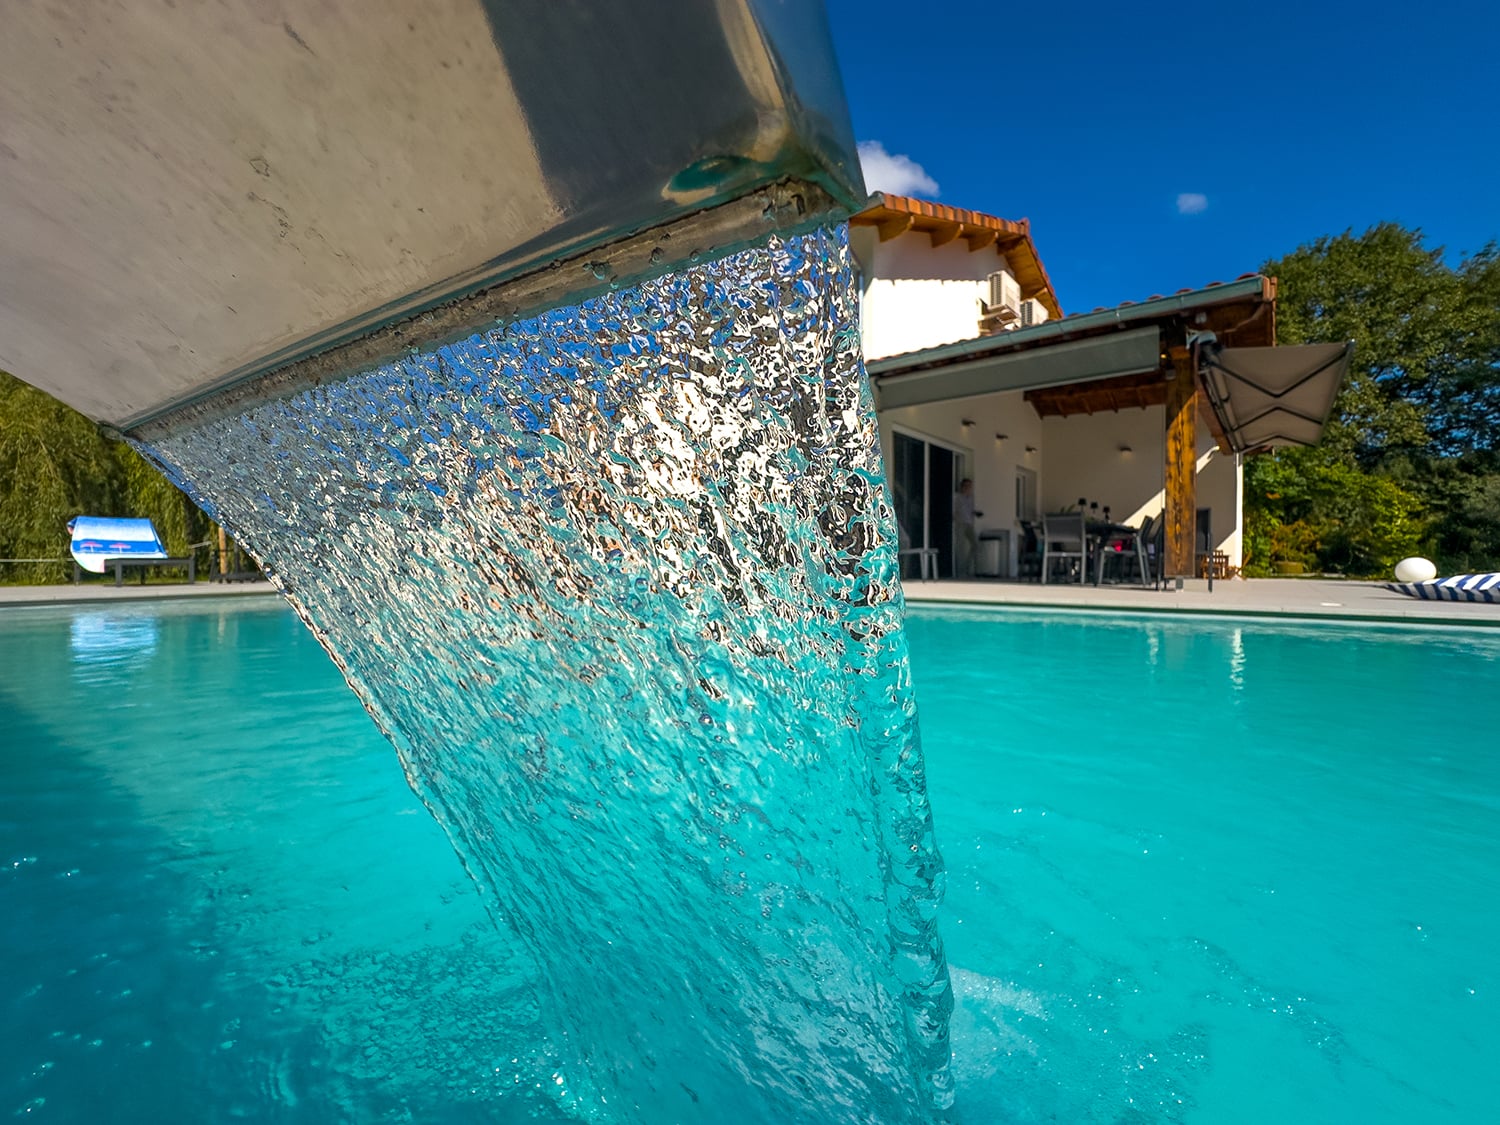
[(919, 296)]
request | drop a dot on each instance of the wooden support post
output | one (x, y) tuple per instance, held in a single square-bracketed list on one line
[(223, 553), (1182, 467)]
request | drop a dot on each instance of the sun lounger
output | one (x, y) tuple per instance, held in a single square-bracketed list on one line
[(101, 544)]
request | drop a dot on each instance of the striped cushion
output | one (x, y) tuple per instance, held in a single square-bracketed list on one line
[(1459, 588)]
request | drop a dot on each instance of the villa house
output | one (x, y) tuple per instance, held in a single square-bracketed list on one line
[(1145, 409)]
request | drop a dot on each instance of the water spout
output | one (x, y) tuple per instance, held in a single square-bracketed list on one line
[(619, 583)]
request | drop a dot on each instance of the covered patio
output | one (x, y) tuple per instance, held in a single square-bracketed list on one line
[(1136, 416)]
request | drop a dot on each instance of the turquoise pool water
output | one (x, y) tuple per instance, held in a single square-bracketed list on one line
[(1199, 871), (1208, 871)]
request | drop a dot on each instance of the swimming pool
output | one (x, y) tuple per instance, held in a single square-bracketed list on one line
[(1198, 870), (1216, 871)]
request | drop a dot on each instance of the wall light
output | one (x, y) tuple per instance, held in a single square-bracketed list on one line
[(1002, 437), (1031, 449), (1125, 450), (966, 423)]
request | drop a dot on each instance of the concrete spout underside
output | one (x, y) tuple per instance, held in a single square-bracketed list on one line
[(194, 194)]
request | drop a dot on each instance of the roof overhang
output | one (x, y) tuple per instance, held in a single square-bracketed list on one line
[(1268, 397), (894, 215), (1256, 396), (1240, 313), (1071, 362), (1107, 359)]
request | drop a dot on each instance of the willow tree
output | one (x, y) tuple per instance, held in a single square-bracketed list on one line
[(54, 465)]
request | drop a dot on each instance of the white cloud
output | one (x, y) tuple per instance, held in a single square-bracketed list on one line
[(899, 175), (1192, 203)]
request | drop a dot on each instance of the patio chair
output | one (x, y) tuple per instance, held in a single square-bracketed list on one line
[(1146, 539), (1029, 557), (927, 560), (927, 557), (1064, 536), (1154, 541), (1146, 556)]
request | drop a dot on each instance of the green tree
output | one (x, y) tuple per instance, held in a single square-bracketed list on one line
[(54, 465), (1398, 302), (1463, 399), (1408, 463), (1319, 508), (1463, 497)]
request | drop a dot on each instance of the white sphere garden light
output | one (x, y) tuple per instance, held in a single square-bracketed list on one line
[(1415, 570)]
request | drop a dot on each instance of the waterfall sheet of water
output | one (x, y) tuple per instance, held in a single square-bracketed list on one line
[(619, 583)]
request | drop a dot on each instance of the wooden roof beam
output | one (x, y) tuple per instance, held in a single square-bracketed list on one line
[(944, 233), (894, 226), (1244, 323), (979, 239), (1064, 404)]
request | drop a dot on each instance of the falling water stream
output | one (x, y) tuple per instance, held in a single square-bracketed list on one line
[(619, 584)]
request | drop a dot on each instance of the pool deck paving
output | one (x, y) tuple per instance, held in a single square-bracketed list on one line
[(95, 592), (1307, 598)]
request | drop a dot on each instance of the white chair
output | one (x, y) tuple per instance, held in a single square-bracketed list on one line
[(1064, 536), (926, 560)]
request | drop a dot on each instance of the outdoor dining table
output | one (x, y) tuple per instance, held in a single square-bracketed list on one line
[(1101, 533)]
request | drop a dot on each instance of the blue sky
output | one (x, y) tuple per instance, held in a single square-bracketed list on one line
[(1160, 146)]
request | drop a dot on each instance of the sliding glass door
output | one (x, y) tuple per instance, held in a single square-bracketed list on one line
[(924, 476)]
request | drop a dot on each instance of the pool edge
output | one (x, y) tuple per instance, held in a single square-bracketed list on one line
[(1356, 617)]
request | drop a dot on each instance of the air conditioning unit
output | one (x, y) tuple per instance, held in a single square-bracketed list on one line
[(1033, 312), (1003, 309)]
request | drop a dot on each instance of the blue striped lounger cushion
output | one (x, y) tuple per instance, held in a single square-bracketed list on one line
[(1459, 588)]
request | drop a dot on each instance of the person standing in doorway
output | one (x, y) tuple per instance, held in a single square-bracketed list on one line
[(965, 540)]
